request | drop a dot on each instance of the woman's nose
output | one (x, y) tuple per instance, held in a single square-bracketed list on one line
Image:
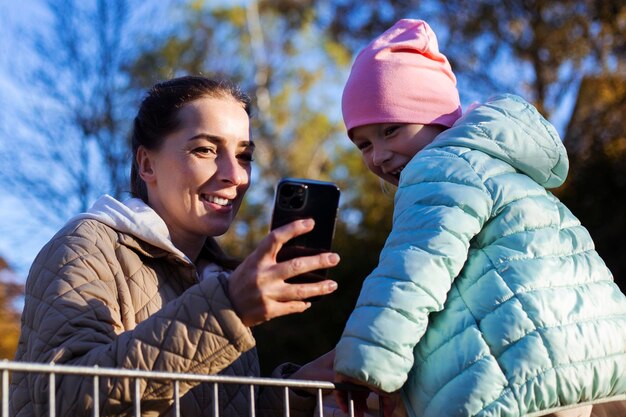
[(231, 171)]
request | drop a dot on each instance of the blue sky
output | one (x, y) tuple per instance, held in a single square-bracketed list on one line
[(15, 17)]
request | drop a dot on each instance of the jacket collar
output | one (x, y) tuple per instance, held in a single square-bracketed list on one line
[(135, 218)]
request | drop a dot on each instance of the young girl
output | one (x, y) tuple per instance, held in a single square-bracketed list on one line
[(489, 298)]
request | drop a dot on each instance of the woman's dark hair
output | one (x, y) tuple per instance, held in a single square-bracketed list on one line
[(158, 117)]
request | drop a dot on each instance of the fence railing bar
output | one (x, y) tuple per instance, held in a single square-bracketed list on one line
[(286, 400), (252, 402), (350, 404), (137, 377), (52, 394), (136, 373), (320, 402), (137, 398), (5, 393), (96, 396), (216, 400), (177, 398)]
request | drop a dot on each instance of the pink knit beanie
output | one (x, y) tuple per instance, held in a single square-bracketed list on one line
[(401, 77)]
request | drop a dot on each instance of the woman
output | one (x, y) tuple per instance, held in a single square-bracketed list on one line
[(144, 285)]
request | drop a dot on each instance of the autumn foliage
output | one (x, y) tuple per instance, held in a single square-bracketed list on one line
[(10, 292)]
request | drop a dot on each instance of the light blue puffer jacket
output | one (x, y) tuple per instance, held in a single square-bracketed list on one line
[(489, 298)]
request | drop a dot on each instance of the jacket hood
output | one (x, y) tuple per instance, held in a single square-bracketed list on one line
[(509, 128), (133, 217)]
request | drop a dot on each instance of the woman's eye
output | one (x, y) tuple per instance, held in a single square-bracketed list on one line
[(204, 150), (247, 157)]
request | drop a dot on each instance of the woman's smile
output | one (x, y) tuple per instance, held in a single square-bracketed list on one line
[(219, 204)]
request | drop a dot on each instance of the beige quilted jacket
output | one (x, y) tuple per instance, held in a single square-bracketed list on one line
[(110, 289)]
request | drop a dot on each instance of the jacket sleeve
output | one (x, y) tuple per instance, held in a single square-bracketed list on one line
[(440, 205), (72, 316)]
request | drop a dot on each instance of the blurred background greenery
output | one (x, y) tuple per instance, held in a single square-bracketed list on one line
[(89, 62)]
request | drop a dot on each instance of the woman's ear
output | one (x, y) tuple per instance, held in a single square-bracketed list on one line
[(144, 165)]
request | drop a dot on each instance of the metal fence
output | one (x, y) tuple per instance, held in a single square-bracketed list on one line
[(95, 373)]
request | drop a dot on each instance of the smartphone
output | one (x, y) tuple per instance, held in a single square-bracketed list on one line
[(299, 198)]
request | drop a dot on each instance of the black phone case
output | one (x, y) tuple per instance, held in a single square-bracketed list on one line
[(298, 198)]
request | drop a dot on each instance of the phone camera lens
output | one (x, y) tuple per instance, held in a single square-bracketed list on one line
[(297, 201), (292, 196), (288, 190)]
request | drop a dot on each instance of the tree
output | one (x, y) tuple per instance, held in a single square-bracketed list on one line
[(63, 145), (66, 144), (540, 49), (596, 188), (10, 293), (551, 51), (74, 121)]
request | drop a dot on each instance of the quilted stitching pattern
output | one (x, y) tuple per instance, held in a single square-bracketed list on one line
[(95, 297)]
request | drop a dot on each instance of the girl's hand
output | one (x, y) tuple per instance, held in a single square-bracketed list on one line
[(257, 288), (319, 369), (389, 400)]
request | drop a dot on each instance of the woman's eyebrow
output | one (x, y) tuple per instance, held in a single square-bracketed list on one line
[(210, 138), (220, 140)]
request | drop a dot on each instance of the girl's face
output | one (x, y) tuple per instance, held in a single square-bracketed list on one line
[(197, 179), (387, 147)]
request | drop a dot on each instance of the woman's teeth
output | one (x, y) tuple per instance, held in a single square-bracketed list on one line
[(218, 200)]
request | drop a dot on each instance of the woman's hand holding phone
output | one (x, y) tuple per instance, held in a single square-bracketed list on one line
[(257, 288)]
